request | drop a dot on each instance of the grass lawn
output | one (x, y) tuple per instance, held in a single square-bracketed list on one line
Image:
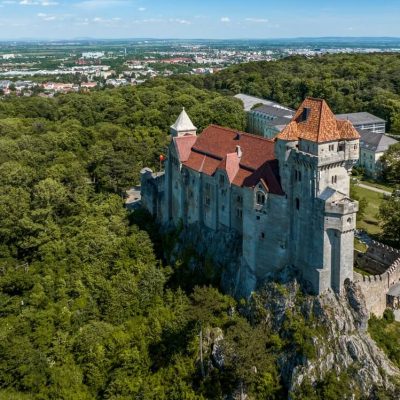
[(369, 222), (377, 185)]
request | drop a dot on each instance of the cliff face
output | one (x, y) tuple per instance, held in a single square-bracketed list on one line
[(342, 343), (223, 250)]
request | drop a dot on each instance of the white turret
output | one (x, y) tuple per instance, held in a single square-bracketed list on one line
[(183, 125)]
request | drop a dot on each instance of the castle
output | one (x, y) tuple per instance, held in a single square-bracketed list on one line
[(286, 197)]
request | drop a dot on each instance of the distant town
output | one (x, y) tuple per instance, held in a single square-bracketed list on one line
[(48, 68)]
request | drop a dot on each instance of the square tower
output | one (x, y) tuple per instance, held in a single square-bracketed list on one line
[(316, 153)]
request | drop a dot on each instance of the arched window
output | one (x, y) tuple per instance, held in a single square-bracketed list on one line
[(260, 198)]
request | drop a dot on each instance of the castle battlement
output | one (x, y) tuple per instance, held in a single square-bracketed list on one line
[(344, 207)]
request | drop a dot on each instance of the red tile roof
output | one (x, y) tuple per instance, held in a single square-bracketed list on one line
[(215, 148), (183, 145), (314, 121)]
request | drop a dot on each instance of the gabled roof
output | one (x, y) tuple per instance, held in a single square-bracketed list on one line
[(314, 121), (230, 164), (183, 123), (183, 145), (217, 141), (376, 142), (215, 148)]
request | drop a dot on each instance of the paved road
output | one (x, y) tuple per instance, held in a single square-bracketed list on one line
[(374, 189)]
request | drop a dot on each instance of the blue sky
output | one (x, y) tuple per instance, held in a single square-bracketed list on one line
[(61, 19)]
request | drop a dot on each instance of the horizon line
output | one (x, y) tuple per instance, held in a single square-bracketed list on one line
[(195, 39)]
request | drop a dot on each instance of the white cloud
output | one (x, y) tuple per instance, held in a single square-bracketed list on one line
[(44, 3), (180, 21), (257, 20), (225, 19), (46, 17), (141, 9)]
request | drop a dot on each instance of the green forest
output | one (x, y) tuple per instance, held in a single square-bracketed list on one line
[(349, 83), (88, 308)]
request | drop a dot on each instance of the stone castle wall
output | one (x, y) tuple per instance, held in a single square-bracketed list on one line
[(376, 287)]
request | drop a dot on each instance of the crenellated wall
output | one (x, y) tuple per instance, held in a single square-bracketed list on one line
[(376, 287)]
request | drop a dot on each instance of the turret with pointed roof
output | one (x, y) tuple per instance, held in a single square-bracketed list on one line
[(183, 125)]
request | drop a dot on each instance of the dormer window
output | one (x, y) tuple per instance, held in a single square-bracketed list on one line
[(260, 198), (305, 114)]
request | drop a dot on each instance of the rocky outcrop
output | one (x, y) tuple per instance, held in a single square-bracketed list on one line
[(342, 342)]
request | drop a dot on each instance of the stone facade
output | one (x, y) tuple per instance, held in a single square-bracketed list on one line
[(287, 198)]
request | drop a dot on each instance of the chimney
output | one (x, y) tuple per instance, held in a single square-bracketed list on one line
[(239, 151)]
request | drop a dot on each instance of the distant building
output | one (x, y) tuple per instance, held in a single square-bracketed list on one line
[(117, 82), (372, 147), (287, 199), (88, 85), (5, 84), (176, 60), (364, 121), (60, 87), (268, 120), (93, 54)]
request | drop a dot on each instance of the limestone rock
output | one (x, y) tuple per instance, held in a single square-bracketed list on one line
[(345, 344)]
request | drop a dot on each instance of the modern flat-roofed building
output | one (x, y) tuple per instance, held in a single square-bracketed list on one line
[(269, 120), (364, 121)]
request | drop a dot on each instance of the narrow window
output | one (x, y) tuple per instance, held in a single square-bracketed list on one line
[(297, 204), (262, 235), (260, 198)]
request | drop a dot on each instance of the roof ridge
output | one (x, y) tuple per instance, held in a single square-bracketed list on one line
[(320, 119), (239, 131)]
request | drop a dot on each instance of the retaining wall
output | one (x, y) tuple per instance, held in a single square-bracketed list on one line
[(376, 287)]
